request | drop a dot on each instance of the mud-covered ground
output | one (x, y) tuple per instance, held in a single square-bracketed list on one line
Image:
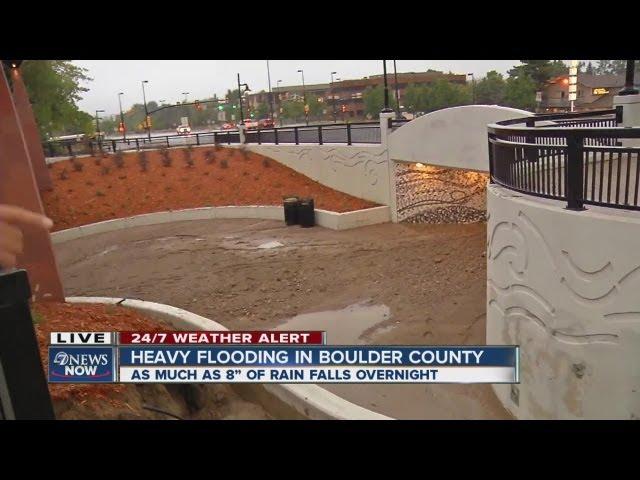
[(430, 277)]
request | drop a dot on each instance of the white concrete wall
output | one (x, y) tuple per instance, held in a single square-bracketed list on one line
[(565, 286), (453, 137), (359, 170)]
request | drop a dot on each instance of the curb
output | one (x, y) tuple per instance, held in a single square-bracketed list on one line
[(324, 218), (307, 400)]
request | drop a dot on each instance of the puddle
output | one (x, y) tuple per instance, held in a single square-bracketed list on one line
[(273, 244), (345, 326)]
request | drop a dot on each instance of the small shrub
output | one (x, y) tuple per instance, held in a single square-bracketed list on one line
[(143, 161), (36, 317), (166, 157), (224, 163), (64, 174), (105, 170), (100, 194), (118, 160), (188, 156), (209, 157), (77, 165), (266, 163)]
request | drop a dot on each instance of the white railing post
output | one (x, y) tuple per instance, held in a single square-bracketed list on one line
[(385, 131), (241, 130)]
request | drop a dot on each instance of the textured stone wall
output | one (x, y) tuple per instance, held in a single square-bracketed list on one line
[(427, 194), (563, 285)]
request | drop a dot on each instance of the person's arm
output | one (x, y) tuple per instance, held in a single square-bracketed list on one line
[(12, 218)]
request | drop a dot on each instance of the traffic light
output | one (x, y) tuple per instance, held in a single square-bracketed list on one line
[(197, 105), (121, 127), (343, 108)]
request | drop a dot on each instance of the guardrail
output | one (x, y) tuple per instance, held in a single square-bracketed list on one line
[(347, 133), (579, 158), (24, 394), (341, 133)]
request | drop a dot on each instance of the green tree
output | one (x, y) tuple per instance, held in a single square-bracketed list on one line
[(491, 89), (54, 88), (443, 94), (262, 111), (540, 71), (293, 110), (520, 92), (614, 67), (373, 99)]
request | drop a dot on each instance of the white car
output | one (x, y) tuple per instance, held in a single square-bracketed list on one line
[(183, 130)]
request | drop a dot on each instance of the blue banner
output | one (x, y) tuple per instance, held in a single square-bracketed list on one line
[(500, 356), (82, 365)]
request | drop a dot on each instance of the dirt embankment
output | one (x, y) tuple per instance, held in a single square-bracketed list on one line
[(94, 189)]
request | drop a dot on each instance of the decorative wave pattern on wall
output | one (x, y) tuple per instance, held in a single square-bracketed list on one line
[(427, 194)]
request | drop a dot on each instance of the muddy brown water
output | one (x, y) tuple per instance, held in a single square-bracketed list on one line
[(389, 284)]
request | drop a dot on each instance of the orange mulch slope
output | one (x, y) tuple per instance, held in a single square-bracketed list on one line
[(66, 317), (102, 191)]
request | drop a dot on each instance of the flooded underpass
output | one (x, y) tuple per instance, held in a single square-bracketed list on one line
[(392, 284)]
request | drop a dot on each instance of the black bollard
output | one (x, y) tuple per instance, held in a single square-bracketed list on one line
[(306, 213), (24, 394), (291, 205)]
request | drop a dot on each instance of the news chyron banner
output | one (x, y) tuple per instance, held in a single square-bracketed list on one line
[(267, 357)]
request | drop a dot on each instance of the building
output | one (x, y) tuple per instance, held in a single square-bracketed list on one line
[(594, 92), (346, 95)]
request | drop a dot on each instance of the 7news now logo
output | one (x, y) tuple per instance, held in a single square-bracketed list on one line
[(81, 365)]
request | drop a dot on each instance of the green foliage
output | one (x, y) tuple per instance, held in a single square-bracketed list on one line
[(54, 88), (520, 92), (440, 94), (293, 110), (540, 71), (36, 317), (373, 99), (491, 89), (615, 67)]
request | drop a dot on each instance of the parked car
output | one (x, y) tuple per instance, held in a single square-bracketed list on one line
[(229, 126), (266, 123), (250, 124), (183, 130)]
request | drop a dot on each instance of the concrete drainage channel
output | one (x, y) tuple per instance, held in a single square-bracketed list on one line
[(284, 401)]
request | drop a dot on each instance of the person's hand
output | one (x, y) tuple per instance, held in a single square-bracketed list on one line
[(11, 219)]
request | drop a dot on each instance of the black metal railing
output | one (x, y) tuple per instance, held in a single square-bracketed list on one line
[(24, 394), (580, 158), (340, 133), (347, 133), (397, 122)]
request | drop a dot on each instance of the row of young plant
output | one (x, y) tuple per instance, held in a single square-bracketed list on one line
[(118, 161)]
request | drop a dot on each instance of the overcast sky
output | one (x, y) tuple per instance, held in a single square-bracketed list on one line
[(202, 78)]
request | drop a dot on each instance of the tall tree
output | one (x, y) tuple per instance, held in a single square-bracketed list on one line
[(615, 67), (54, 88), (373, 99), (520, 92), (491, 89), (540, 71)]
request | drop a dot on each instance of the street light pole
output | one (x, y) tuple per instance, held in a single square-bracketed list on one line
[(270, 93), (333, 99), (246, 87), (304, 98), (628, 83), (98, 129), (124, 129), (279, 102), (395, 80), (386, 108), (473, 87), (146, 110)]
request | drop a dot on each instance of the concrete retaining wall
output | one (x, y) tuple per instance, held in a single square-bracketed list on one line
[(324, 218), (308, 401), (359, 170), (564, 286)]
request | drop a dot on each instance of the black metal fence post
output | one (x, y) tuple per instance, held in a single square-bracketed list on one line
[(259, 138), (275, 135), (574, 172), (24, 394), (197, 139), (319, 134), (137, 144), (295, 135), (348, 134)]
